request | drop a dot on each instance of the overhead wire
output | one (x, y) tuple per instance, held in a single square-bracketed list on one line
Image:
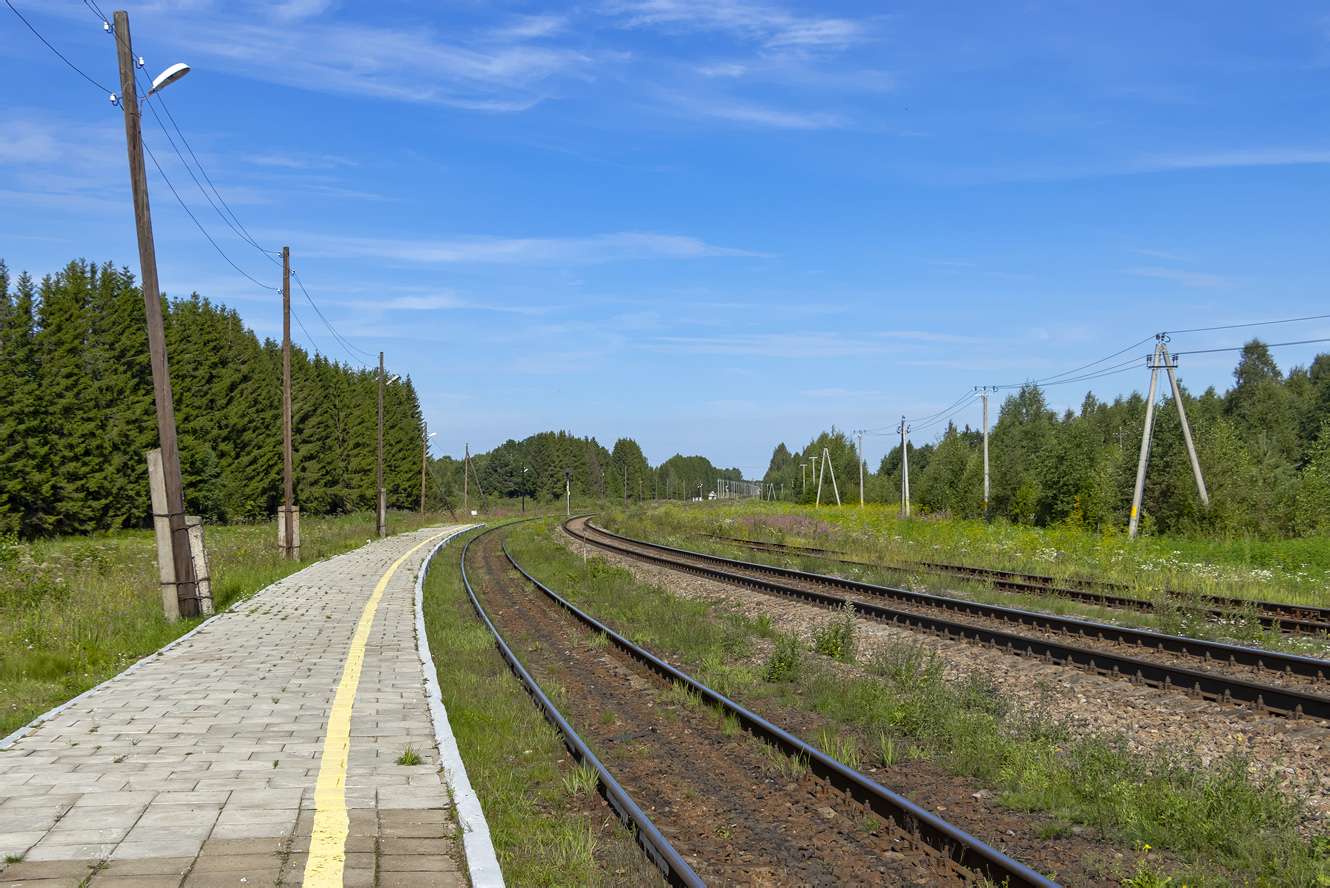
[(1252, 324), (56, 51), (191, 215), (233, 222), (1205, 351), (338, 336)]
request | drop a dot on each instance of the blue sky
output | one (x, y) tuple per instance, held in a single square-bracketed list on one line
[(711, 226)]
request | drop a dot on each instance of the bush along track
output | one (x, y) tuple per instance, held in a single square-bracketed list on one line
[(832, 826), (1082, 807)]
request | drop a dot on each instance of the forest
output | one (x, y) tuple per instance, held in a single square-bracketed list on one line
[(1263, 446), (77, 415)]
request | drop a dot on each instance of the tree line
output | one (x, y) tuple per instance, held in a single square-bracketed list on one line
[(534, 468), (77, 415), (77, 412), (1263, 446)]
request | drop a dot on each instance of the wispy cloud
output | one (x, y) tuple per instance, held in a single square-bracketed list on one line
[(768, 345), (836, 393), (591, 250), (928, 336), (381, 62), (770, 26), (761, 116), (1186, 278), (1249, 157), (300, 160), (1170, 255)]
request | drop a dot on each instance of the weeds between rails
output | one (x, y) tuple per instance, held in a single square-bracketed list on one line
[(1268, 614), (1215, 824), (1158, 660), (769, 825)]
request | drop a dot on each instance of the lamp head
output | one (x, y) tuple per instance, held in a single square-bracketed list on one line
[(169, 76), (394, 379)]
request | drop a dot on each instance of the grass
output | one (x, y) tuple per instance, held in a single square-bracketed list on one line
[(409, 756), (1154, 572), (1294, 571), (533, 794), (75, 611), (1227, 827)]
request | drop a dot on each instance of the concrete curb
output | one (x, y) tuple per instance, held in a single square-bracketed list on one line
[(481, 860), (6, 742)]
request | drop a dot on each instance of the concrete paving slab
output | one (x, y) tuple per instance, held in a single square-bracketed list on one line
[(199, 726)]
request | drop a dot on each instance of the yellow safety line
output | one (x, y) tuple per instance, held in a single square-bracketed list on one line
[(327, 845)]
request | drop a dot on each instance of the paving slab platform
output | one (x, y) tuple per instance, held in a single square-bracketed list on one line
[(216, 761)]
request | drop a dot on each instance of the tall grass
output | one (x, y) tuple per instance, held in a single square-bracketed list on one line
[(76, 610), (1229, 828), (1295, 571)]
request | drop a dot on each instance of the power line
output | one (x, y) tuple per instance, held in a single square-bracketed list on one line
[(220, 251), (1252, 324), (1206, 351), (338, 336), (110, 92), (238, 227)]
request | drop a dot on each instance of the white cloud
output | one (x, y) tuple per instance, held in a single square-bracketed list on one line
[(760, 116), (769, 345), (537, 251), (1186, 278), (1249, 157), (836, 393), (770, 26), (299, 160)]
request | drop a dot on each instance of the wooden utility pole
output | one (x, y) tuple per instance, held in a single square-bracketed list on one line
[(186, 586), (466, 467), (287, 533), (380, 497)]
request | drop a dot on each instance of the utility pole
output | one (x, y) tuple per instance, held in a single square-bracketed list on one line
[(380, 495), (905, 472), (568, 491), (466, 467), (524, 486), (985, 392), (861, 468), (187, 593), (287, 527), (803, 479), (1161, 361)]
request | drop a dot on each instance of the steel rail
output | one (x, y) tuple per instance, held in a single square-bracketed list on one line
[(1280, 701), (670, 862), (1291, 618), (955, 843)]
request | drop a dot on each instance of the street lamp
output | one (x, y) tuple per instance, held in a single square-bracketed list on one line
[(524, 486), (186, 586)]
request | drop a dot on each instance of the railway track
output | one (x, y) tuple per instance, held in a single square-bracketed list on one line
[(1298, 619), (708, 806), (1267, 682)]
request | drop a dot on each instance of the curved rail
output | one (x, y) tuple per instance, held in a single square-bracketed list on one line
[(1270, 614), (949, 840), (1281, 701), (662, 853)]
